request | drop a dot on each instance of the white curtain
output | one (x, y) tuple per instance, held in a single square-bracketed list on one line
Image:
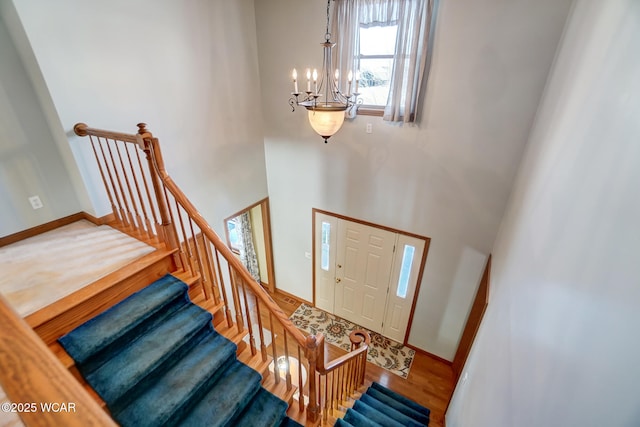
[(413, 43), (247, 251)]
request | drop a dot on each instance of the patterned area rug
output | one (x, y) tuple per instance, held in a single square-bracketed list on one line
[(386, 353)]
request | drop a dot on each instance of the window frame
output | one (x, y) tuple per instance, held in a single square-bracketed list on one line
[(372, 109)]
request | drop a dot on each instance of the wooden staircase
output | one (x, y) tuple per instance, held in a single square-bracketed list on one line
[(63, 316), (148, 205)]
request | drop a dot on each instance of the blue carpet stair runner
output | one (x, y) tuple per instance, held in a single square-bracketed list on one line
[(156, 360), (380, 406)]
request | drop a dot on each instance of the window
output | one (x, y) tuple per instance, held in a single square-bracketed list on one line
[(405, 271), (389, 42), (234, 237), (375, 63), (326, 242)]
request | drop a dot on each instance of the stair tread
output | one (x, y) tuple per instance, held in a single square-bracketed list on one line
[(195, 373), (255, 362), (397, 405), (280, 388), (114, 324), (231, 333), (374, 414), (266, 410), (398, 416), (226, 399), (118, 375), (186, 276), (359, 419), (404, 400)]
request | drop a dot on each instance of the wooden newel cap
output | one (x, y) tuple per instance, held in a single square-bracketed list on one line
[(142, 128), (80, 129), (360, 336), (311, 341)]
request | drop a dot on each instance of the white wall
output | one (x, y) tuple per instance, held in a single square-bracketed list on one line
[(559, 342), (187, 69), (30, 162), (448, 178)]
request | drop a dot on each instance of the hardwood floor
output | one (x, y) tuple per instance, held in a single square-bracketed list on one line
[(430, 381)]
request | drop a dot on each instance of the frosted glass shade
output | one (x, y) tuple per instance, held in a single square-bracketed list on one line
[(326, 122)]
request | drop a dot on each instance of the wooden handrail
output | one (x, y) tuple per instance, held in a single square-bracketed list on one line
[(82, 129), (33, 378), (359, 338), (233, 260)]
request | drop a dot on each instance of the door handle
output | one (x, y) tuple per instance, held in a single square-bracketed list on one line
[(338, 280), (339, 265)]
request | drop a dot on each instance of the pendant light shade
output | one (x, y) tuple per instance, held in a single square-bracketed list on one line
[(326, 122)]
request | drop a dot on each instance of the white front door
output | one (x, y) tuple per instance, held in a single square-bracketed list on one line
[(364, 259)]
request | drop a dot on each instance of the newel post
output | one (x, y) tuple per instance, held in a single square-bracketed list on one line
[(166, 231), (313, 409)]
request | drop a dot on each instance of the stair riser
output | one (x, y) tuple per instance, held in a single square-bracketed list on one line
[(61, 324)]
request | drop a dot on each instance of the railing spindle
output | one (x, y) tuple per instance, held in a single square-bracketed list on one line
[(236, 299), (286, 355), (203, 276), (145, 222), (152, 206), (185, 247), (263, 348), (213, 286), (104, 180), (325, 412), (125, 202), (223, 289), (123, 215), (135, 215), (252, 342), (171, 233), (300, 383), (274, 351)]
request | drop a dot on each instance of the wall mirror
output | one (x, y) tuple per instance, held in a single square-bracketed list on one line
[(249, 237)]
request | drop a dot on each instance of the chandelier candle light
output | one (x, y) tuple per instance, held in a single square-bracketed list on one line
[(326, 103)]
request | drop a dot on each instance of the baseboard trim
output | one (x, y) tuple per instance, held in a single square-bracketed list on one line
[(287, 294), (431, 355), (99, 220), (52, 225)]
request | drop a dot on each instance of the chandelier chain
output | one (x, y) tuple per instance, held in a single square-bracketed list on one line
[(327, 34)]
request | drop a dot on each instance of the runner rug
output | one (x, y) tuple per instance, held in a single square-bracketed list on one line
[(386, 353)]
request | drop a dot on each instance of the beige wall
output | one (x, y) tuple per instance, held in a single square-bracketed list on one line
[(558, 344), (30, 160), (448, 178), (187, 69)]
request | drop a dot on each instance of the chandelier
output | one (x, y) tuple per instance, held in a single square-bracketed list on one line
[(325, 100)]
